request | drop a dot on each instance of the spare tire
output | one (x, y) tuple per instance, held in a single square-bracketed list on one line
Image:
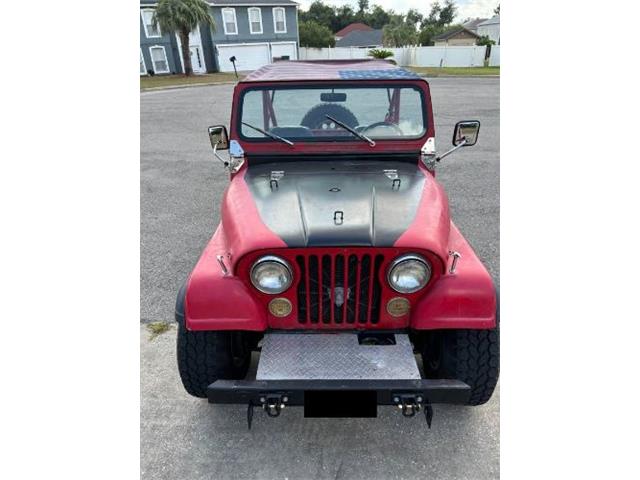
[(316, 118)]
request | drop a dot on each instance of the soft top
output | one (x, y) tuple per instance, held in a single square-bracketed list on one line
[(330, 70)]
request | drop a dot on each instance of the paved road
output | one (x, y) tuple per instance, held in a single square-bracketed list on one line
[(182, 437)]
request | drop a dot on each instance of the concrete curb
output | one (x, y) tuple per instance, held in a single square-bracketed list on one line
[(193, 85), (178, 87), (460, 76)]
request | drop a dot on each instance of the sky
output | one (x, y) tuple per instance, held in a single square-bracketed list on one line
[(466, 8)]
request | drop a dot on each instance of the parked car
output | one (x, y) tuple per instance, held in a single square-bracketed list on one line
[(336, 256)]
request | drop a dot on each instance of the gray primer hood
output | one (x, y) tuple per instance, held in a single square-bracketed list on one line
[(300, 207)]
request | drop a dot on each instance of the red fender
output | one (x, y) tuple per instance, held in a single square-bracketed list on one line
[(243, 228), (465, 299), (430, 228), (214, 301)]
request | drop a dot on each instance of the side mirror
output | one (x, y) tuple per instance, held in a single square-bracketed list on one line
[(466, 130), (219, 137)]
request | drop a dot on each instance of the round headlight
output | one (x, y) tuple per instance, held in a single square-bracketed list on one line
[(409, 273), (271, 275)]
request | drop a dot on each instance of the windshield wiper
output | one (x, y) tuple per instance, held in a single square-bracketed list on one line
[(269, 134), (355, 132)]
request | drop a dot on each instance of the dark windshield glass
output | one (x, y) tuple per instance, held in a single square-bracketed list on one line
[(301, 113)]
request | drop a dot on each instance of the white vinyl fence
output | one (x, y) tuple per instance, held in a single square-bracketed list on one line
[(494, 56), (450, 56), (411, 56)]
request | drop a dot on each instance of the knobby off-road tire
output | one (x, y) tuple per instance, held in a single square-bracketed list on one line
[(204, 357), (472, 356)]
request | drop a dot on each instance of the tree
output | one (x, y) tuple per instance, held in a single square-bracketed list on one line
[(343, 16), (414, 17), (485, 40), (377, 18), (496, 10), (425, 38), (312, 34), (441, 16), (399, 34), (447, 13), (319, 13), (183, 16), (363, 6), (434, 14), (438, 21)]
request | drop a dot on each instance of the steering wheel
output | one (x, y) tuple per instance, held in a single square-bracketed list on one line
[(392, 126)]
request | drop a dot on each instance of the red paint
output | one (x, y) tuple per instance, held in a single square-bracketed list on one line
[(243, 228), (216, 302), (258, 146), (466, 299), (430, 228), (289, 254), (213, 301)]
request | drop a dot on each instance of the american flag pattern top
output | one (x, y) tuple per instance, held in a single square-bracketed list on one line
[(330, 70)]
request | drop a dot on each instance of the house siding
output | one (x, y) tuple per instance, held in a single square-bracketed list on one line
[(461, 39), (209, 39), (492, 31), (268, 32), (167, 41)]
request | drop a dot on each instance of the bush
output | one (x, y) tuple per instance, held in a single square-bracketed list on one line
[(380, 53)]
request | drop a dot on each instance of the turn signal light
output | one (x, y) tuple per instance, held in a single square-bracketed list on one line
[(398, 307), (280, 307)]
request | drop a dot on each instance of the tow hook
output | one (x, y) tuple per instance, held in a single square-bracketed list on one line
[(272, 404), (410, 404)]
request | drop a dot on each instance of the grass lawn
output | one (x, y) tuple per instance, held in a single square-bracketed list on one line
[(176, 80), (462, 71)]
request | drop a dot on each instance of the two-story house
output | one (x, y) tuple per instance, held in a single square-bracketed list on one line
[(255, 32)]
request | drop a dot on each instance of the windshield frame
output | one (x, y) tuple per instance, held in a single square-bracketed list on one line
[(321, 85)]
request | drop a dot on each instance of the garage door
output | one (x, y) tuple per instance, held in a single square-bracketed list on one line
[(248, 57), (279, 50)]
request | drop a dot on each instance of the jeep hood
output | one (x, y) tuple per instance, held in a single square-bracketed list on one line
[(336, 204), (357, 203)]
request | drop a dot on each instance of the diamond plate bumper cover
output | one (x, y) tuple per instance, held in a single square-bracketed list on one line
[(334, 357), (292, 364)]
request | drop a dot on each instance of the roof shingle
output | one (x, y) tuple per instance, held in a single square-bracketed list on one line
[(455, 31), (361, 39), (353, 27)]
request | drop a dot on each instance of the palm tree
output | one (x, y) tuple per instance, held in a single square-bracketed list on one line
[(380, 53), (182, 16)]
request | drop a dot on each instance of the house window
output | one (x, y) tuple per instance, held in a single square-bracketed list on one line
[(151, 28), (255, 20), (143, 67), (279, 22), (229, 21), (159, 59)]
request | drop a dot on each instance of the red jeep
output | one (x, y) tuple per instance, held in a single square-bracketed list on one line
[(336, 257)]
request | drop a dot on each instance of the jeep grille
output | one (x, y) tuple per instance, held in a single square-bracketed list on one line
[(339, 288)]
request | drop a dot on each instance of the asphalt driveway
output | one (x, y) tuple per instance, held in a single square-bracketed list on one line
[(182, 437)]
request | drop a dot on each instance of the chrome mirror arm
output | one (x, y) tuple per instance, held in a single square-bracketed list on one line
[(449, 152), (215, 153)]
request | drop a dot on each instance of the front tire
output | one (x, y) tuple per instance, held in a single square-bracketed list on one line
[(204, 357), (472, 356)]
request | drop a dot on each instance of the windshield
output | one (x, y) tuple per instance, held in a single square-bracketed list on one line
[(317, 113)]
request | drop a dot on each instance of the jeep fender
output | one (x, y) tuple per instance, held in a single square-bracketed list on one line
[(465, 299), (211, 300)]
